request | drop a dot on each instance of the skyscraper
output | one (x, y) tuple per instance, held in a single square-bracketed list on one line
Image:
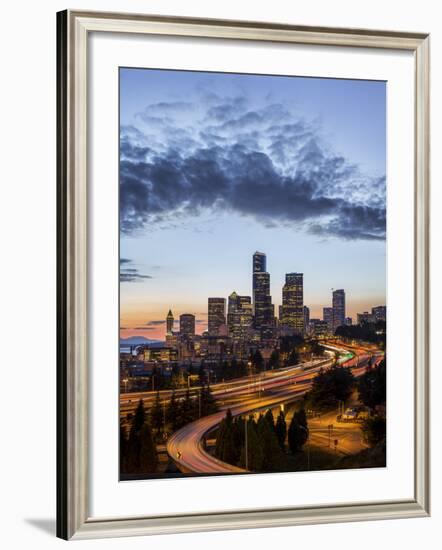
[(216, 315), (338, 308), (187, 324), (259, 262), (379, 313), (169, 322), (239, 316), (327, 315), (263, 308), (306, 318), (293, 302)]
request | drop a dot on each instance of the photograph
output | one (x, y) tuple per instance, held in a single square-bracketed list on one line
[(252, 272)]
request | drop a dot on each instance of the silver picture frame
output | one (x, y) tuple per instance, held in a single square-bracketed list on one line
[(73, 519)]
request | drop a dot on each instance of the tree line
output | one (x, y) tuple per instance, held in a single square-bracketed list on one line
[(372, 388), (138, 454), (329, 387), (367, 332), (267, 441), (179, 412)]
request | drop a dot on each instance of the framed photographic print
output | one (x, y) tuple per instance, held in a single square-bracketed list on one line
[(242, 250)]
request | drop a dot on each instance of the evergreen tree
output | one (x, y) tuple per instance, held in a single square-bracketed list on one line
[(123, 449), (137, 452), (238, 433), (293, 358), (148, 459), (298, 431), (172, 412), (132, 452), (374, 430), (274, 359), (281, 430), (234, 366), (220, 435), (226, 448), (208, 402), (156, 414), (330, 386), (229, 453), (186, 410), (372, 385), (254, 448), (202, 373), (257, 361), (140, 416), (272, 457), (268, 417)]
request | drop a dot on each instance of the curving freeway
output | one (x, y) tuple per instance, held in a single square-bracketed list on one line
[(223, 391), (186, 446)]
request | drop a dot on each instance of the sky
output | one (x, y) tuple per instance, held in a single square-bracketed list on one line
[(214, 166)]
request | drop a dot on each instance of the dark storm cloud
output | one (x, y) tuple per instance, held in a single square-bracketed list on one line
[(369, 222), (263, 164), (132, 277), (130, 274)]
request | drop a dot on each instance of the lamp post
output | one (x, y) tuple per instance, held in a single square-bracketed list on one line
[(249, 371)]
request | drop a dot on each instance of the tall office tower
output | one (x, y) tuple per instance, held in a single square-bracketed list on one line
[(306, 317), (338, 308), (327, 316), (187, 324), (318, 328), (379, 313), (259, 262), (293, 302), (169, 322), (365, 317), (239, 316), (216, 315), (263, 309)]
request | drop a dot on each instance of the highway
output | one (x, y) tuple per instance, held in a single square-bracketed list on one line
[(185, 446), (223, 391)]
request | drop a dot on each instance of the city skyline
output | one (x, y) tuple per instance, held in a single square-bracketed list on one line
[(293, 308), (257, 140)]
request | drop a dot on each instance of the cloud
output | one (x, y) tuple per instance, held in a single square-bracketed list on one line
[(265, 164), (130, 274), (158, 322)]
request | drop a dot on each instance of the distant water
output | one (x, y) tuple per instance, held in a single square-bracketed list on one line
[(125, 347)]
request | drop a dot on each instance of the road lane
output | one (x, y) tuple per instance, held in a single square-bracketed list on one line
[(185, 446)]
